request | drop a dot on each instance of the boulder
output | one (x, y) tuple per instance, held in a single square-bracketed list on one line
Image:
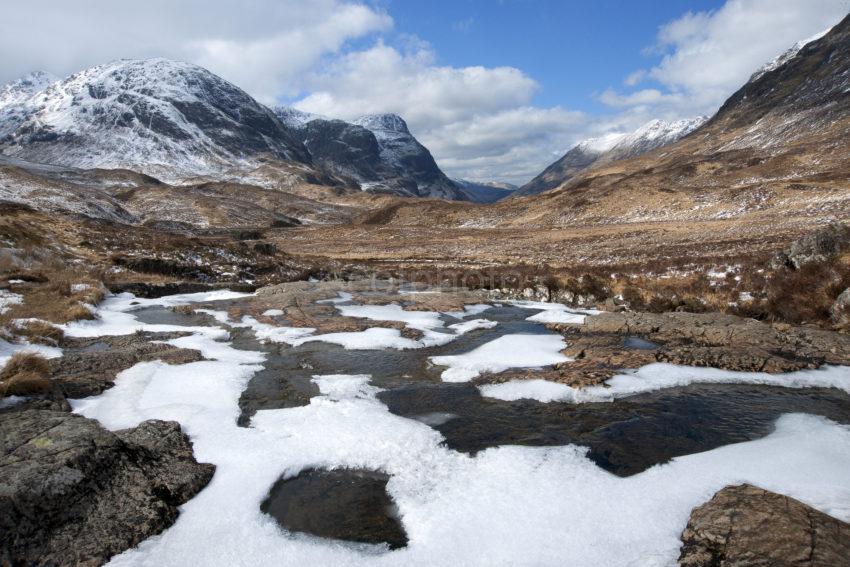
[(746, 526), (74, 493), (816, 247), (840, 310)]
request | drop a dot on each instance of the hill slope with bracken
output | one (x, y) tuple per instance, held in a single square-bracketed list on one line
[(778, 146)]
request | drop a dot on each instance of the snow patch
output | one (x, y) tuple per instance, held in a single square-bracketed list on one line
[(508, 351), (660, 376)]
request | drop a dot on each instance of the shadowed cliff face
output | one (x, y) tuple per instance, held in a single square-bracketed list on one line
[(376, 152)]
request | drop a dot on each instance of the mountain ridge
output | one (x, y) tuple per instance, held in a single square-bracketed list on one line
[(609, 148)]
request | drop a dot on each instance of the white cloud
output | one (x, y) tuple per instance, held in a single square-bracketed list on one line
[(476, 121), (262, 46), (706, 56)]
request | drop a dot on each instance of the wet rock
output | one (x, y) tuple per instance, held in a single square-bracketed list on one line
[(75, 493), (747, 526), (89, 366), (344, 504), (705, 339), (595, 358)]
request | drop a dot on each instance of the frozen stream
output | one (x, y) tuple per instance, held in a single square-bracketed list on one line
[(607, 477)]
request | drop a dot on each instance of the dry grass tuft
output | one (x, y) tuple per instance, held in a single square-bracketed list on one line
[(38, 331), (76, 312), (25, 374), (25, 362), (25, 384)]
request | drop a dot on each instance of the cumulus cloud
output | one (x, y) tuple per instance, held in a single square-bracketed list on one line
[(477, 121), (263, 46), (706, 56)]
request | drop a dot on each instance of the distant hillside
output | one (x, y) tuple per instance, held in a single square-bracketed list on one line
[(609, 148)]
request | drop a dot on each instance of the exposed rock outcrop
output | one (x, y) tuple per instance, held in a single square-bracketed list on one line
[(747, 526), (817, 247), (89, 366), (840, 310), (76, 494), (601, 346)]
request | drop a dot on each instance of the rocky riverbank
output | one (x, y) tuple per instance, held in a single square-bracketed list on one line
[(74, 493), (606, 343), (79, 493)]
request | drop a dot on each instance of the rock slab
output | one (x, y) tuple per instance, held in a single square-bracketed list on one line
[(74, 493), (746, 526)]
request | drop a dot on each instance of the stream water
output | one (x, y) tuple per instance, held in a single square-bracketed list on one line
[(379, 432)]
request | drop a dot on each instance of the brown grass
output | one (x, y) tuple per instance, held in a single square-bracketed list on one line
[(76, 312), (184, 309), (25, 384), (25, 362), (25, 374), (42, 332)]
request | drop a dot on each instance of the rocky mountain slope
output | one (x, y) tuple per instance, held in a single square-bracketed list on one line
[(165, 118), (778, 146), (131, 198), (377, 152), (177, 121), (609, 148), (13, 97)]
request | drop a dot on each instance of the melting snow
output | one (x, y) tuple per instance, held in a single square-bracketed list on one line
[(7, 350), (115, 317), (659, 376), (507, 505), (7, 299), (508, 351), (554, 312)]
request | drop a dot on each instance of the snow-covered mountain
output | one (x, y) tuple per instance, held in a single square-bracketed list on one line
[(610, 147), (786, 56), (161, 117), (376, 151), (13, 97)]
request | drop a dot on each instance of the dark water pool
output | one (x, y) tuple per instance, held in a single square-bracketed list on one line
[(626, 436), (345, 504)]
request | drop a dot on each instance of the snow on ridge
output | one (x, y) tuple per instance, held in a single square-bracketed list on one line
[(19, 90), (787, 55), (162, 117), (295, 118), (649, 136), (386, 122), (602, 143)]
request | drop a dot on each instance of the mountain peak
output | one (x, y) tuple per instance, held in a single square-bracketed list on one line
[(295, 118), (383, 122), (610, 147), (21, 89), (166, 118), (786, 55)]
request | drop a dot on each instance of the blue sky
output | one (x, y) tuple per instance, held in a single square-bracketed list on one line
[(496, 89), (573, 49)]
